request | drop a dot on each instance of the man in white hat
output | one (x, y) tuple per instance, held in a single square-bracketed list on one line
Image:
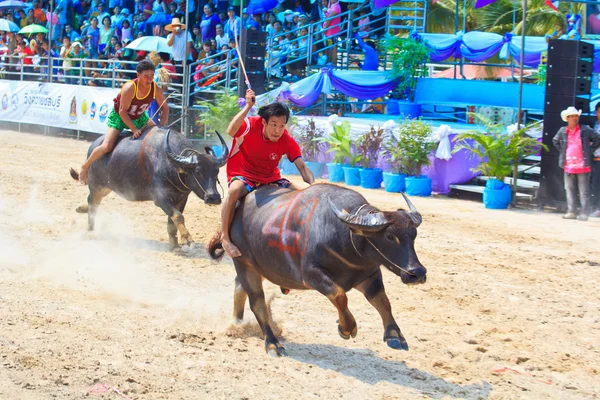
[(181, 45), (575, 144)]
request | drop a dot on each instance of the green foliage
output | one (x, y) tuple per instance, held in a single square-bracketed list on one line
[(408, 56), (497, 17), (498, 151), (309, 138), (410, 153), (219, 112), (340, 143), (369, 145)]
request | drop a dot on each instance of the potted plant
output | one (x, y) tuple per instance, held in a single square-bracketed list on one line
[(309, 138), (369, 147), (414, 139), (394, 180), (409, 56), (217, 114), (339, 142), (351, 171), (498, 152)]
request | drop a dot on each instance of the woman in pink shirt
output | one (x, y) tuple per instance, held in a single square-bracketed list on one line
[(332, 27), (576, 144)]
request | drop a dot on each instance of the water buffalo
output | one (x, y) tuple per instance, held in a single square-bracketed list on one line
[(158, 166), (326, 238)]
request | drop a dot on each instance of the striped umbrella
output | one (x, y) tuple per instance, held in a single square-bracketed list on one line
[(8, 26)]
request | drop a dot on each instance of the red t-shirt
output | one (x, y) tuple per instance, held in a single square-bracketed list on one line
[(28, 52), (256, 158)]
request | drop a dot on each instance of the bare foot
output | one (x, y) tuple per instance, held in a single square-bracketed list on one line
[(231, 250), (83, 176)]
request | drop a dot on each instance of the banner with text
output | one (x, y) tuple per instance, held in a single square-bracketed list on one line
[(63, 106)]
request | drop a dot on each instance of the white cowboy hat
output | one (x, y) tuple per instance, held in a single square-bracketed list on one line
[(569, 111), (174, 23)]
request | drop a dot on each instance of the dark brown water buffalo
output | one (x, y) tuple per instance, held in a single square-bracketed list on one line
[(159, 166), (326, 238)]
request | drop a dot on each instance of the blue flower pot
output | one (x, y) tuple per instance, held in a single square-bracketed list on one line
[(406, 108), (335, 172), (496, 195), (316, 168), (418, 186), (287, 168), (371, 178), (394, 183), (409, 110), (351, 176)]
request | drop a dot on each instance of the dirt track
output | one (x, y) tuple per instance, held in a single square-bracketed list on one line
[(84, 314)]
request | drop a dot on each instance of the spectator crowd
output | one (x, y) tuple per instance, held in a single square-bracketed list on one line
[(91, 33)]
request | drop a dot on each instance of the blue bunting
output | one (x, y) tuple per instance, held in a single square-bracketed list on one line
[(363, 85), (479, 46)]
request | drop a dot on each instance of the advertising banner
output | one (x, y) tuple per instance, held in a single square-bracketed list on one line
[(63, 106)]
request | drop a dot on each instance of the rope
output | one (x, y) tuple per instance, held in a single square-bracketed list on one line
[(161, 104), (388, 260)]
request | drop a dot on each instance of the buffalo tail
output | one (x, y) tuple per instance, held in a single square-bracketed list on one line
[(215, 247), (74, 174)]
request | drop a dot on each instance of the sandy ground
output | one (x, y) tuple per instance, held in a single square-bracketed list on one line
[(510, 310)]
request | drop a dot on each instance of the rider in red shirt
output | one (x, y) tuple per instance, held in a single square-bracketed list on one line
[(258, 145)]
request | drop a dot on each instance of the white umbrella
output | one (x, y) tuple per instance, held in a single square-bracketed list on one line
[(151, 43), (8, 26)]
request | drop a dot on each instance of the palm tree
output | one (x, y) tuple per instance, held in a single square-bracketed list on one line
[(498, 17), (541, 19), (441, 17)]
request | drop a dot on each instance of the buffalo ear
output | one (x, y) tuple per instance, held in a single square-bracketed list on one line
[(209, 150)]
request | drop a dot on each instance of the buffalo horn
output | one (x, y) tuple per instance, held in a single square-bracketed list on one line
[(180, 161), (414, 215), (223, 159), (367, 223)]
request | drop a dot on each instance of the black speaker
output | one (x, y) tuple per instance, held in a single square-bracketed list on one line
[(254, 50), (568, 85), (552, 123), (570, 49), (253, 36), (552, 183), (257, 83), (254, 64), (556, 103), (252, 53), (589, 120), (569, 71), (569, 67)]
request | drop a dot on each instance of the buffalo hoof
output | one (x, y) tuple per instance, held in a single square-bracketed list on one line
[(397, 344), (191, 246), (276, 350), (174, 247), (345, 335)]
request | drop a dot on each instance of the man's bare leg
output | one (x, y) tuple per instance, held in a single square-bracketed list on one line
[(107, 146), (237, 190)]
